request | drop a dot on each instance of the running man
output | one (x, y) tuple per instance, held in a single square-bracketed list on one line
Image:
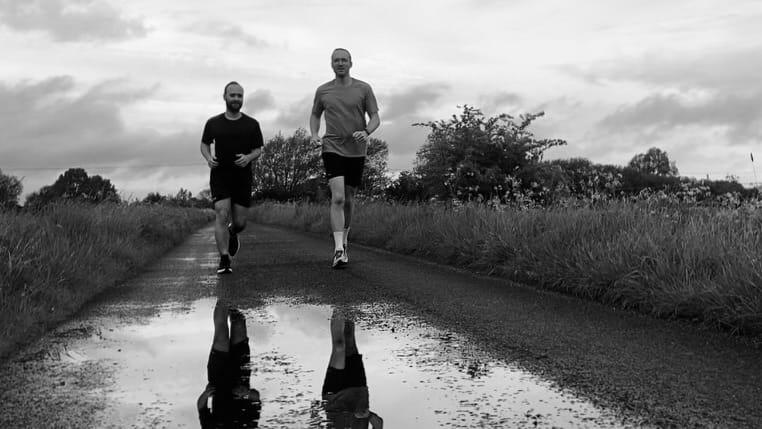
[(345, 101), (237, 140), (228, 400), (345, 388)]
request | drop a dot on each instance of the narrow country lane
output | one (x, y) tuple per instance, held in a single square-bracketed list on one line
[(441, 348)]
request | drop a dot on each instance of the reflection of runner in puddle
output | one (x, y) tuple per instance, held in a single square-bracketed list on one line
[(345, 390), (228, 401)]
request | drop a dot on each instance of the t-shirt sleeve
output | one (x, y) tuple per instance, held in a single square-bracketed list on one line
[(207, 137), (371, 106), (258, 140), (317, 104)]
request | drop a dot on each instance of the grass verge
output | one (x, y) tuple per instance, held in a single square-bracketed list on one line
[(703, 264), (53, 261)]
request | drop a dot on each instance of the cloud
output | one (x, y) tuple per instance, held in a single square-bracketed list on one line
[(72, 21), (734, 69), (228, 33), (740, 115), (258, 101), (504, 98), (296, 115), (500, 102), (55, 126), (404, 140), (409, 102)]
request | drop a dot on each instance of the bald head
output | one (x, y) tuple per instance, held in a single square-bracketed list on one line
[(340, 51), (229, 84)]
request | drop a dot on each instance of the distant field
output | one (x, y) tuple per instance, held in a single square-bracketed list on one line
[(699, 263), (54, 261)]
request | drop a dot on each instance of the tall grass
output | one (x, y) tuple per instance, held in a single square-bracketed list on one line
[(698, 263), (51, 262)]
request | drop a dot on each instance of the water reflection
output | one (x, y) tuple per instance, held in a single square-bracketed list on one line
[(148, 371), (228, 400), (345, 398)]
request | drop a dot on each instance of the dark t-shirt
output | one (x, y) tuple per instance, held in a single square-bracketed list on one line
[(231, 137)]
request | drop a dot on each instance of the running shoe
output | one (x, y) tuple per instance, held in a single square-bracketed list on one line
[(224, 267), (346, 255), (338, 259), (233, 243)]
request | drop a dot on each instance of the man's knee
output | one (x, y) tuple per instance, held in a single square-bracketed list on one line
[(239, 225), (339, 347), (338, 198), (222, 212)]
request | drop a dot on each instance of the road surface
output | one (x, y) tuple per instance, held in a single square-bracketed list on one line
[(442, 348)]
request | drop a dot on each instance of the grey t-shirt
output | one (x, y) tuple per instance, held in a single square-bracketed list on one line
[(345, 108)]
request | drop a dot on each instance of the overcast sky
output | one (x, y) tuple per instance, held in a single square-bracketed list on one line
[(123, 89)]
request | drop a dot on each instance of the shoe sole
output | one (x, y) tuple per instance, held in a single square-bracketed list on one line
[(224, 271)]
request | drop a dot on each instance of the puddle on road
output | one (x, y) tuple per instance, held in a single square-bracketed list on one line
[(417, 376)]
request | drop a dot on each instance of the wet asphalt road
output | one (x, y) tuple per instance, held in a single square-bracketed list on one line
[(115, 363)]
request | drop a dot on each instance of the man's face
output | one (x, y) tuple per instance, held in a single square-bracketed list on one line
[(234, 98), (341, 63)]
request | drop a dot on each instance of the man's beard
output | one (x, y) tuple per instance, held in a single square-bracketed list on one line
[(233, 106)]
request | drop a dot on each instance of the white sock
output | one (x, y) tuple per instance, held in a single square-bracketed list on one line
[(346, 235), (338, 236)]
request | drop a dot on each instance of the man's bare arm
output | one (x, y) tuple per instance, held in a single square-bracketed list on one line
[(364, 135), (315, 129), (373, 123), (206, 151)]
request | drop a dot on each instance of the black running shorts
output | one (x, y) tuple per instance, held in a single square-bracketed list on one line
[(349, 167), (225, 370), (231, 182), (353, 375)]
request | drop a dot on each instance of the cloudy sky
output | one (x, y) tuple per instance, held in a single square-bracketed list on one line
[(123, 89)]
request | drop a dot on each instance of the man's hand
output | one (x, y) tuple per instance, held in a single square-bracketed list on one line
[(360, 136), (316, 142), (242, 159), (212, 162), (204, 397)]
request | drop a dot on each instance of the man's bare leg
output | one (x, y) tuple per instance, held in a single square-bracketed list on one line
[(221, 341), (349, 338), (221, 236), (237, 224), (338, 345), (240, 214), (338, 200), (237, 327), (349, 195)]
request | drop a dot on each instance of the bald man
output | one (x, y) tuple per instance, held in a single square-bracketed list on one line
[(238, 141), (351, 116)]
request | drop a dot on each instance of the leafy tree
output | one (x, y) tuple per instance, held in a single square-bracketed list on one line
[(10, 190), (374, 177), (75, 185), (634, 181), (406, 187), (729, 185), (654, 161), (473, 156), (585, 178), (286, 165), (205, 196), (154, 198), (183, 197)]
